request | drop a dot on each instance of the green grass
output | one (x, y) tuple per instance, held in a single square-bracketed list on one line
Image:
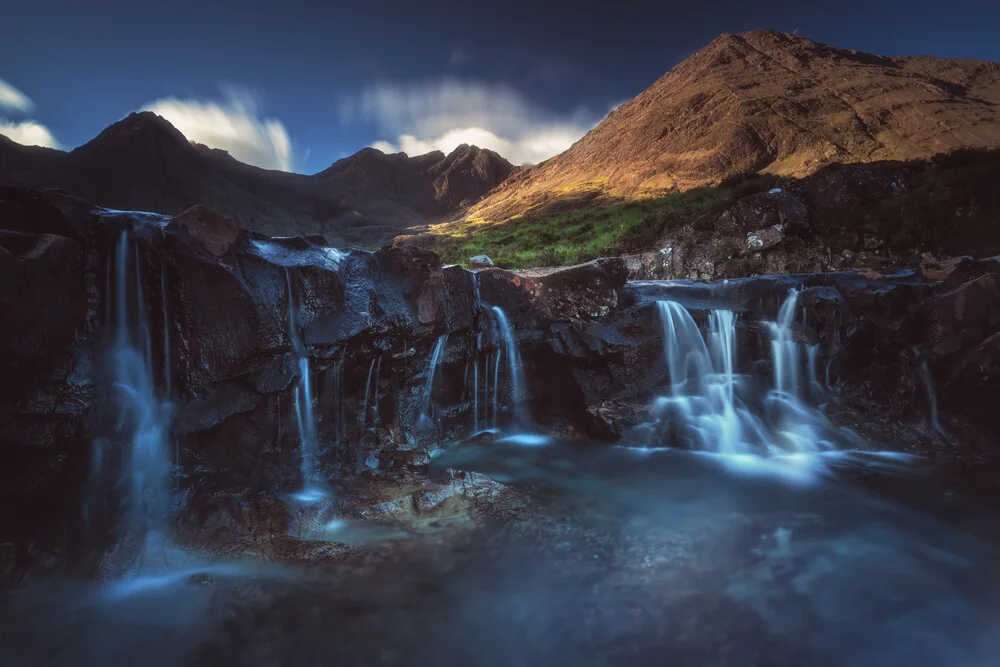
[(555, 239)]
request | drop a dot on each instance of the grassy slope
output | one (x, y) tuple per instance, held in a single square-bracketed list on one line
[(552, 239)]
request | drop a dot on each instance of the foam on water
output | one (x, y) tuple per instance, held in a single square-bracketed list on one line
[(712, 409)]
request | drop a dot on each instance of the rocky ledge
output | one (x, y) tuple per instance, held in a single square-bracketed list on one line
[(265, 352)]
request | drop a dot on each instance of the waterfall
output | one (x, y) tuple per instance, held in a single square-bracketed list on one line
[(378, 375), (925, 376), (368, 384), (311, 480), (710, 407), (515, 372), (144, 415), (784, 350), (436, 359), (475, 395), (496, 388)]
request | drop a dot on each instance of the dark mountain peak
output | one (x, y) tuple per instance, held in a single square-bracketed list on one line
[(138, 129)]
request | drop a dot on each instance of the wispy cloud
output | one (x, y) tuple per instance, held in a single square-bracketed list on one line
[(232, 125), (28, 132), (12, 99), (419, 118)]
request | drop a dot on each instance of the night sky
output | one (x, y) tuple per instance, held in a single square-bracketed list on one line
[(297, 85)]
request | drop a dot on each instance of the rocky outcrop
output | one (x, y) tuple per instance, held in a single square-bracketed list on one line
[(848, 216), (231, 318)]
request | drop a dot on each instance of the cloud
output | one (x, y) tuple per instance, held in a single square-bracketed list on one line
[(12, 99), (420, 118), (232, 125), (29, 133)]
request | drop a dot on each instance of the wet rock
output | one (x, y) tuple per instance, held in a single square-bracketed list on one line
[(616, 418), (764, 239), (480, 261), (966, 315), (209, 229)]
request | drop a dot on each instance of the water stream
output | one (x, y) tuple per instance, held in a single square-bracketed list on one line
[(313, 487)]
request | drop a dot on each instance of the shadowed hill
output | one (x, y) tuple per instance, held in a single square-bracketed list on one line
[(144, 163)]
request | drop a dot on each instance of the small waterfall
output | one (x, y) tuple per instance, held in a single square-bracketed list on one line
[(496, 388), (475, 395), (925, 377), (710, 407), (436, 359), (312, 483), (378, 376), (368, 385), (784, 351), (144, 417), (515, 372)]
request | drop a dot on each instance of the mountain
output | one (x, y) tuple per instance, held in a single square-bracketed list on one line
[(766, 102), (144, 163)]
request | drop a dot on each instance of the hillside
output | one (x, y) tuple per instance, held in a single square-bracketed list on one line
[(763, 102), (144, 163)]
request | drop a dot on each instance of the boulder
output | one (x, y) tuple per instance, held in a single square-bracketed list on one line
[(480, 261)]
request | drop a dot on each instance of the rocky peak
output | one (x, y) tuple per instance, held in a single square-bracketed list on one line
[(771, 102), (136, 129)]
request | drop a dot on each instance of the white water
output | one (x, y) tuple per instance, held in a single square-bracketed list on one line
[(436, 359), (368, 386), (144, 415), (312, 483), (713, 409), (515, 372)]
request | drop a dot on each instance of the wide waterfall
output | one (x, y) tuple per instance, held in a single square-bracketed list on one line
[(711, 407), (144, 414), (312, 484)]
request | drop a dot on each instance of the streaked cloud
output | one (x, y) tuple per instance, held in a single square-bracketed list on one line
[(419, 118), (29, 133), (232, 125), (12, 99)]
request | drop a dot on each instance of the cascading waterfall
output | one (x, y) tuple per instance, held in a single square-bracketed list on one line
[(475, 395), (784, 351), (312, 485), (515, 372), (711, 408), (144, 416), (925, 377), (436, 359), (368, 385)]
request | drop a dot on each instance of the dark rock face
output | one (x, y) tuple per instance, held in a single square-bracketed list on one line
[(846, 216), (229, 313)]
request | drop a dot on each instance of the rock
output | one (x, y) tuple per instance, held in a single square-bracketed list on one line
[(764, 239), (214, 232), (480, 261), (966, 315)]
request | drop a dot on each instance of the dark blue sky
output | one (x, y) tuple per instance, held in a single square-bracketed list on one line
[(339, 76)]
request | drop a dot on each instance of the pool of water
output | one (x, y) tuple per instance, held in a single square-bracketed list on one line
[(608, 556)]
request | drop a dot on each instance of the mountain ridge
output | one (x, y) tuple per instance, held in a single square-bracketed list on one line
[(143, 162), (763, 101)]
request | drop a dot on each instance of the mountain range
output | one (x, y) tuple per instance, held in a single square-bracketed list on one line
[(143, 163), (756, 102)]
